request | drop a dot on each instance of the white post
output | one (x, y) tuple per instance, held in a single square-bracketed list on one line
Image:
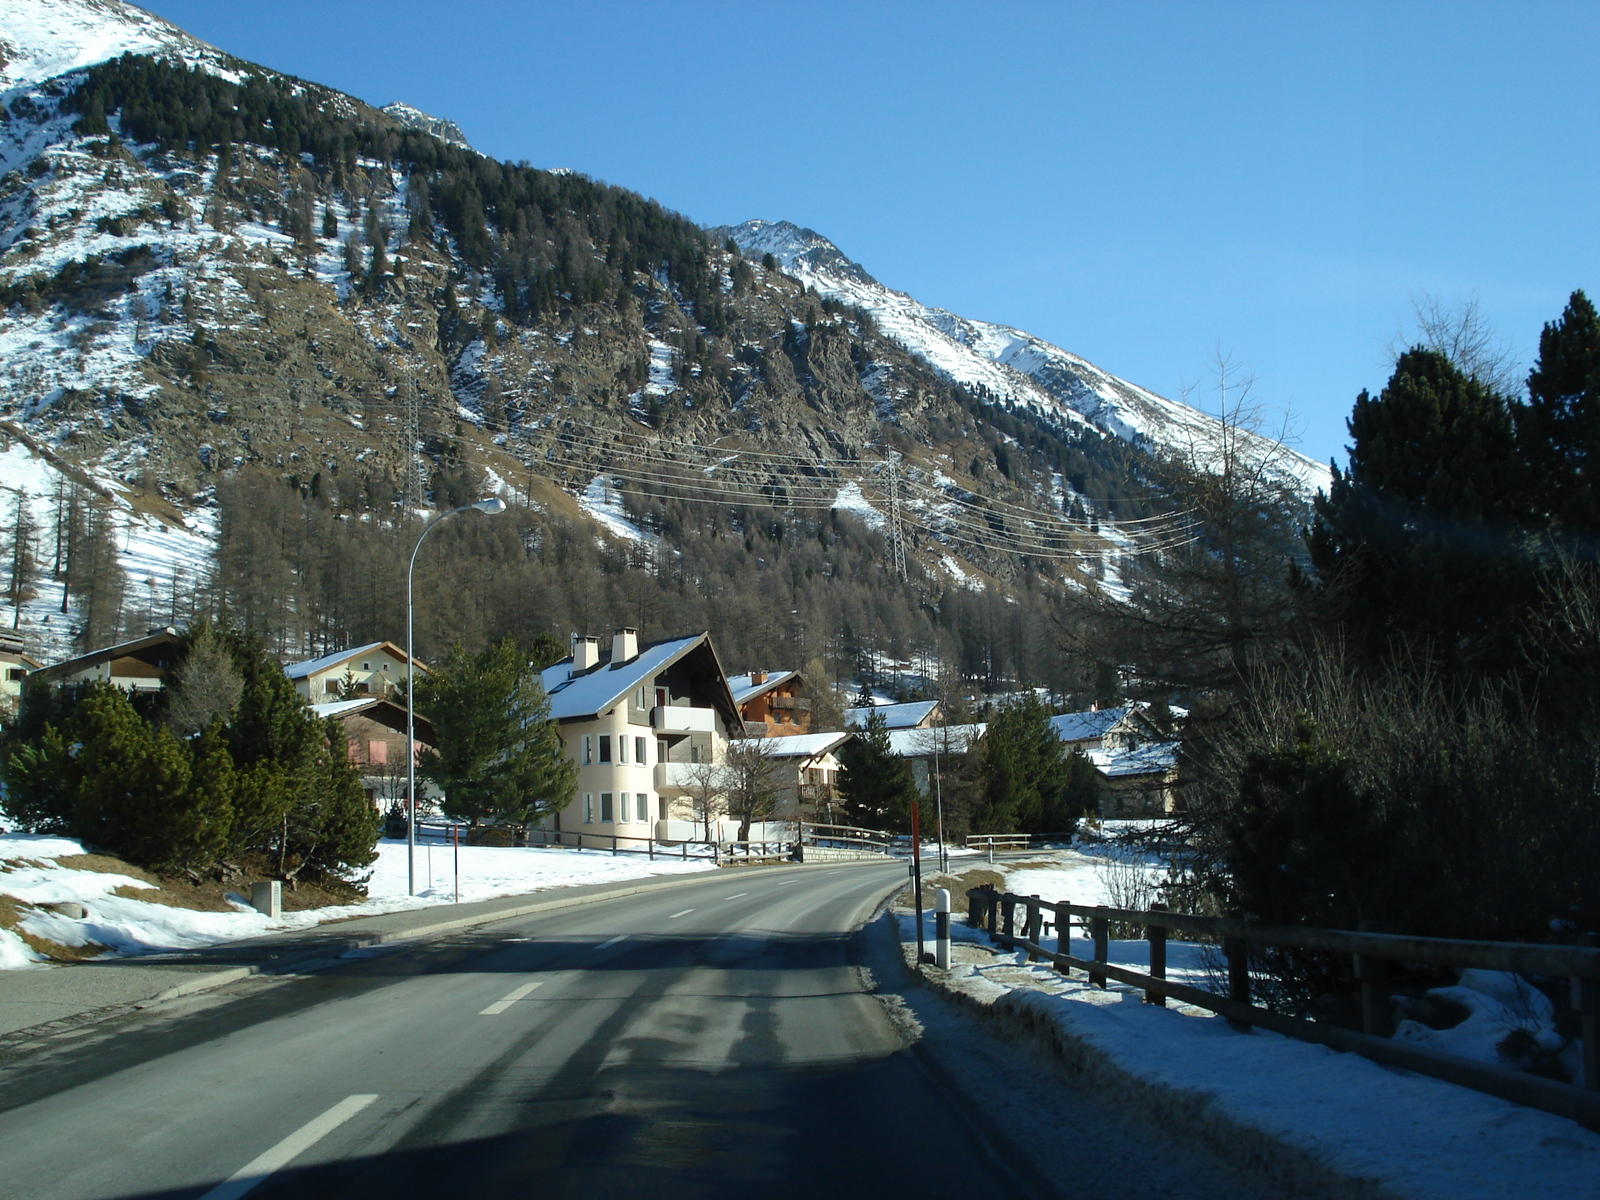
[(941, 928)]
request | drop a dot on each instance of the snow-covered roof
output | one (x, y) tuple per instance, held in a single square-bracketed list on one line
[(1086, 726), (895, 716), (314, 666), (744, 687), (1149, 759), (381, 710), (803, 745), (598, 689), (946, 739)]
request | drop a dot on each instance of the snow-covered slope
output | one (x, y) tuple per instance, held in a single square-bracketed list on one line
[(415, 118), (40, 39), (1014, 367)]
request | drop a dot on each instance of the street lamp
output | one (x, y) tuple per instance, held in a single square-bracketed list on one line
[(490, 506)]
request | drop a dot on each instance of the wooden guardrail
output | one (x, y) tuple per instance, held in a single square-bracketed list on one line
[(846, 837), (996, 913), (990, 842)]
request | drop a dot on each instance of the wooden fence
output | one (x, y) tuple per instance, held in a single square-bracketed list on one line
[(997, 913)]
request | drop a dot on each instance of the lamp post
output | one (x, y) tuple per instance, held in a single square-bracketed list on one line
[(490, 506)]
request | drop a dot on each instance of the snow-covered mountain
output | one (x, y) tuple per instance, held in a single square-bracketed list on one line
[(41, 39), (415, 118), (1014, 367)]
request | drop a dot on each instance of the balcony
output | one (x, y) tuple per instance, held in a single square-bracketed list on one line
[(673, 718), (792, 703), (675, 776)]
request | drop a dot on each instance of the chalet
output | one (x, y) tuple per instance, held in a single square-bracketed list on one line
[(636, 722), (15, 666), (1125, 727), (137, 666), (375, 743), (1138, 783), (918, 714), (376, 669), (806, 770), (923, 746), (772, 703)]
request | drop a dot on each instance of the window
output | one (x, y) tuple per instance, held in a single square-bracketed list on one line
[(639, 755), (622, 749), (331, 687), (661, 749), (366, 666), (588, 749), (377, 752), (588, 808), (15, 673), (605, 747), (643, 809), (605, 808), (694, 753)]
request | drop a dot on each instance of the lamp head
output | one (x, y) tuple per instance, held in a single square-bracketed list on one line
[(491, 506)]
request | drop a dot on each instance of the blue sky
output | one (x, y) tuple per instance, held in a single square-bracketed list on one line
[(1142, 184)]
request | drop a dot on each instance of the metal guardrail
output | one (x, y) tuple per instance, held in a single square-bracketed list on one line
[(996, 913), (846, 837)]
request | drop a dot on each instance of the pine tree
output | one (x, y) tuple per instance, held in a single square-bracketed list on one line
[(1564, 425), (875, 784), (499, 758), (1421, 546), (22, 557), (1029, 784)]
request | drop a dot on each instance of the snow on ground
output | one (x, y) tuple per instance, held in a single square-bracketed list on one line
[(28, 873), (603, 502), (1416, 1136), (851, 500)]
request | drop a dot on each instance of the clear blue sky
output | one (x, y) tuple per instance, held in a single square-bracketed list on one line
[(1140, 183)]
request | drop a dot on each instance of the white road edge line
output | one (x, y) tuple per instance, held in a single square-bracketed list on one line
[(621, 937), (684, 913), (297, 1143), (499, 1006)]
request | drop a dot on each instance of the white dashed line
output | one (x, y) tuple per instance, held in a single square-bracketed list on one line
[(499, 1006), (621, 937), (684, 913), (735, 896), (297, 1143)]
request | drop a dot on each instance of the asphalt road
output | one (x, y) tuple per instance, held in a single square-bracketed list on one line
[(720, 1038)]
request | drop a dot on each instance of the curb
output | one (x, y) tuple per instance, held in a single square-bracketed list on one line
[(1278, 1166)]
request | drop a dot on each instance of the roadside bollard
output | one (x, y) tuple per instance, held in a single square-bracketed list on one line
[(941, 928)]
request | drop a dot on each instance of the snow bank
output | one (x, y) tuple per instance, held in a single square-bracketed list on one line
[(132, 926)]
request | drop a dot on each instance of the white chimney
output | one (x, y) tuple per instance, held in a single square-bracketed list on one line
[(585, 653), (624, 646)]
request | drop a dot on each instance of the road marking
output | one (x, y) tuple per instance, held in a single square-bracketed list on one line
[(499, 1006), (619, 938), (684, 913), (297, 1143), (786, 883), (735, 896)]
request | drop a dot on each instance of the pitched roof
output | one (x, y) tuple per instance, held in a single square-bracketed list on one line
[(1152, 758), (803, 745), (744, 688), (895, 716), (945, 739), (1086, 726), (314, 666), (573, 697), (156, 637), (385, 712)]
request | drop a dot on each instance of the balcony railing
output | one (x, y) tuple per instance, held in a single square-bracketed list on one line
[(675, 718)]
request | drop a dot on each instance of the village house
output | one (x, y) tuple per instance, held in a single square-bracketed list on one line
[(805, 767), (922, 746), (772, 703), (140, 665), (376, 669), (916, 714), (375, 744), (636, 723), (1124, 727), (14, 668)]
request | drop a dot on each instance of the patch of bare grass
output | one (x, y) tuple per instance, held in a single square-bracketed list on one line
[(11, 913), (959, 886)]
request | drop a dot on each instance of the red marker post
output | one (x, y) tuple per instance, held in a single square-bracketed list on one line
[(916, 872)]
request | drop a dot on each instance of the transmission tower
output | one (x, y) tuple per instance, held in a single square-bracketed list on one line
[(412, 496), (897, 544)]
